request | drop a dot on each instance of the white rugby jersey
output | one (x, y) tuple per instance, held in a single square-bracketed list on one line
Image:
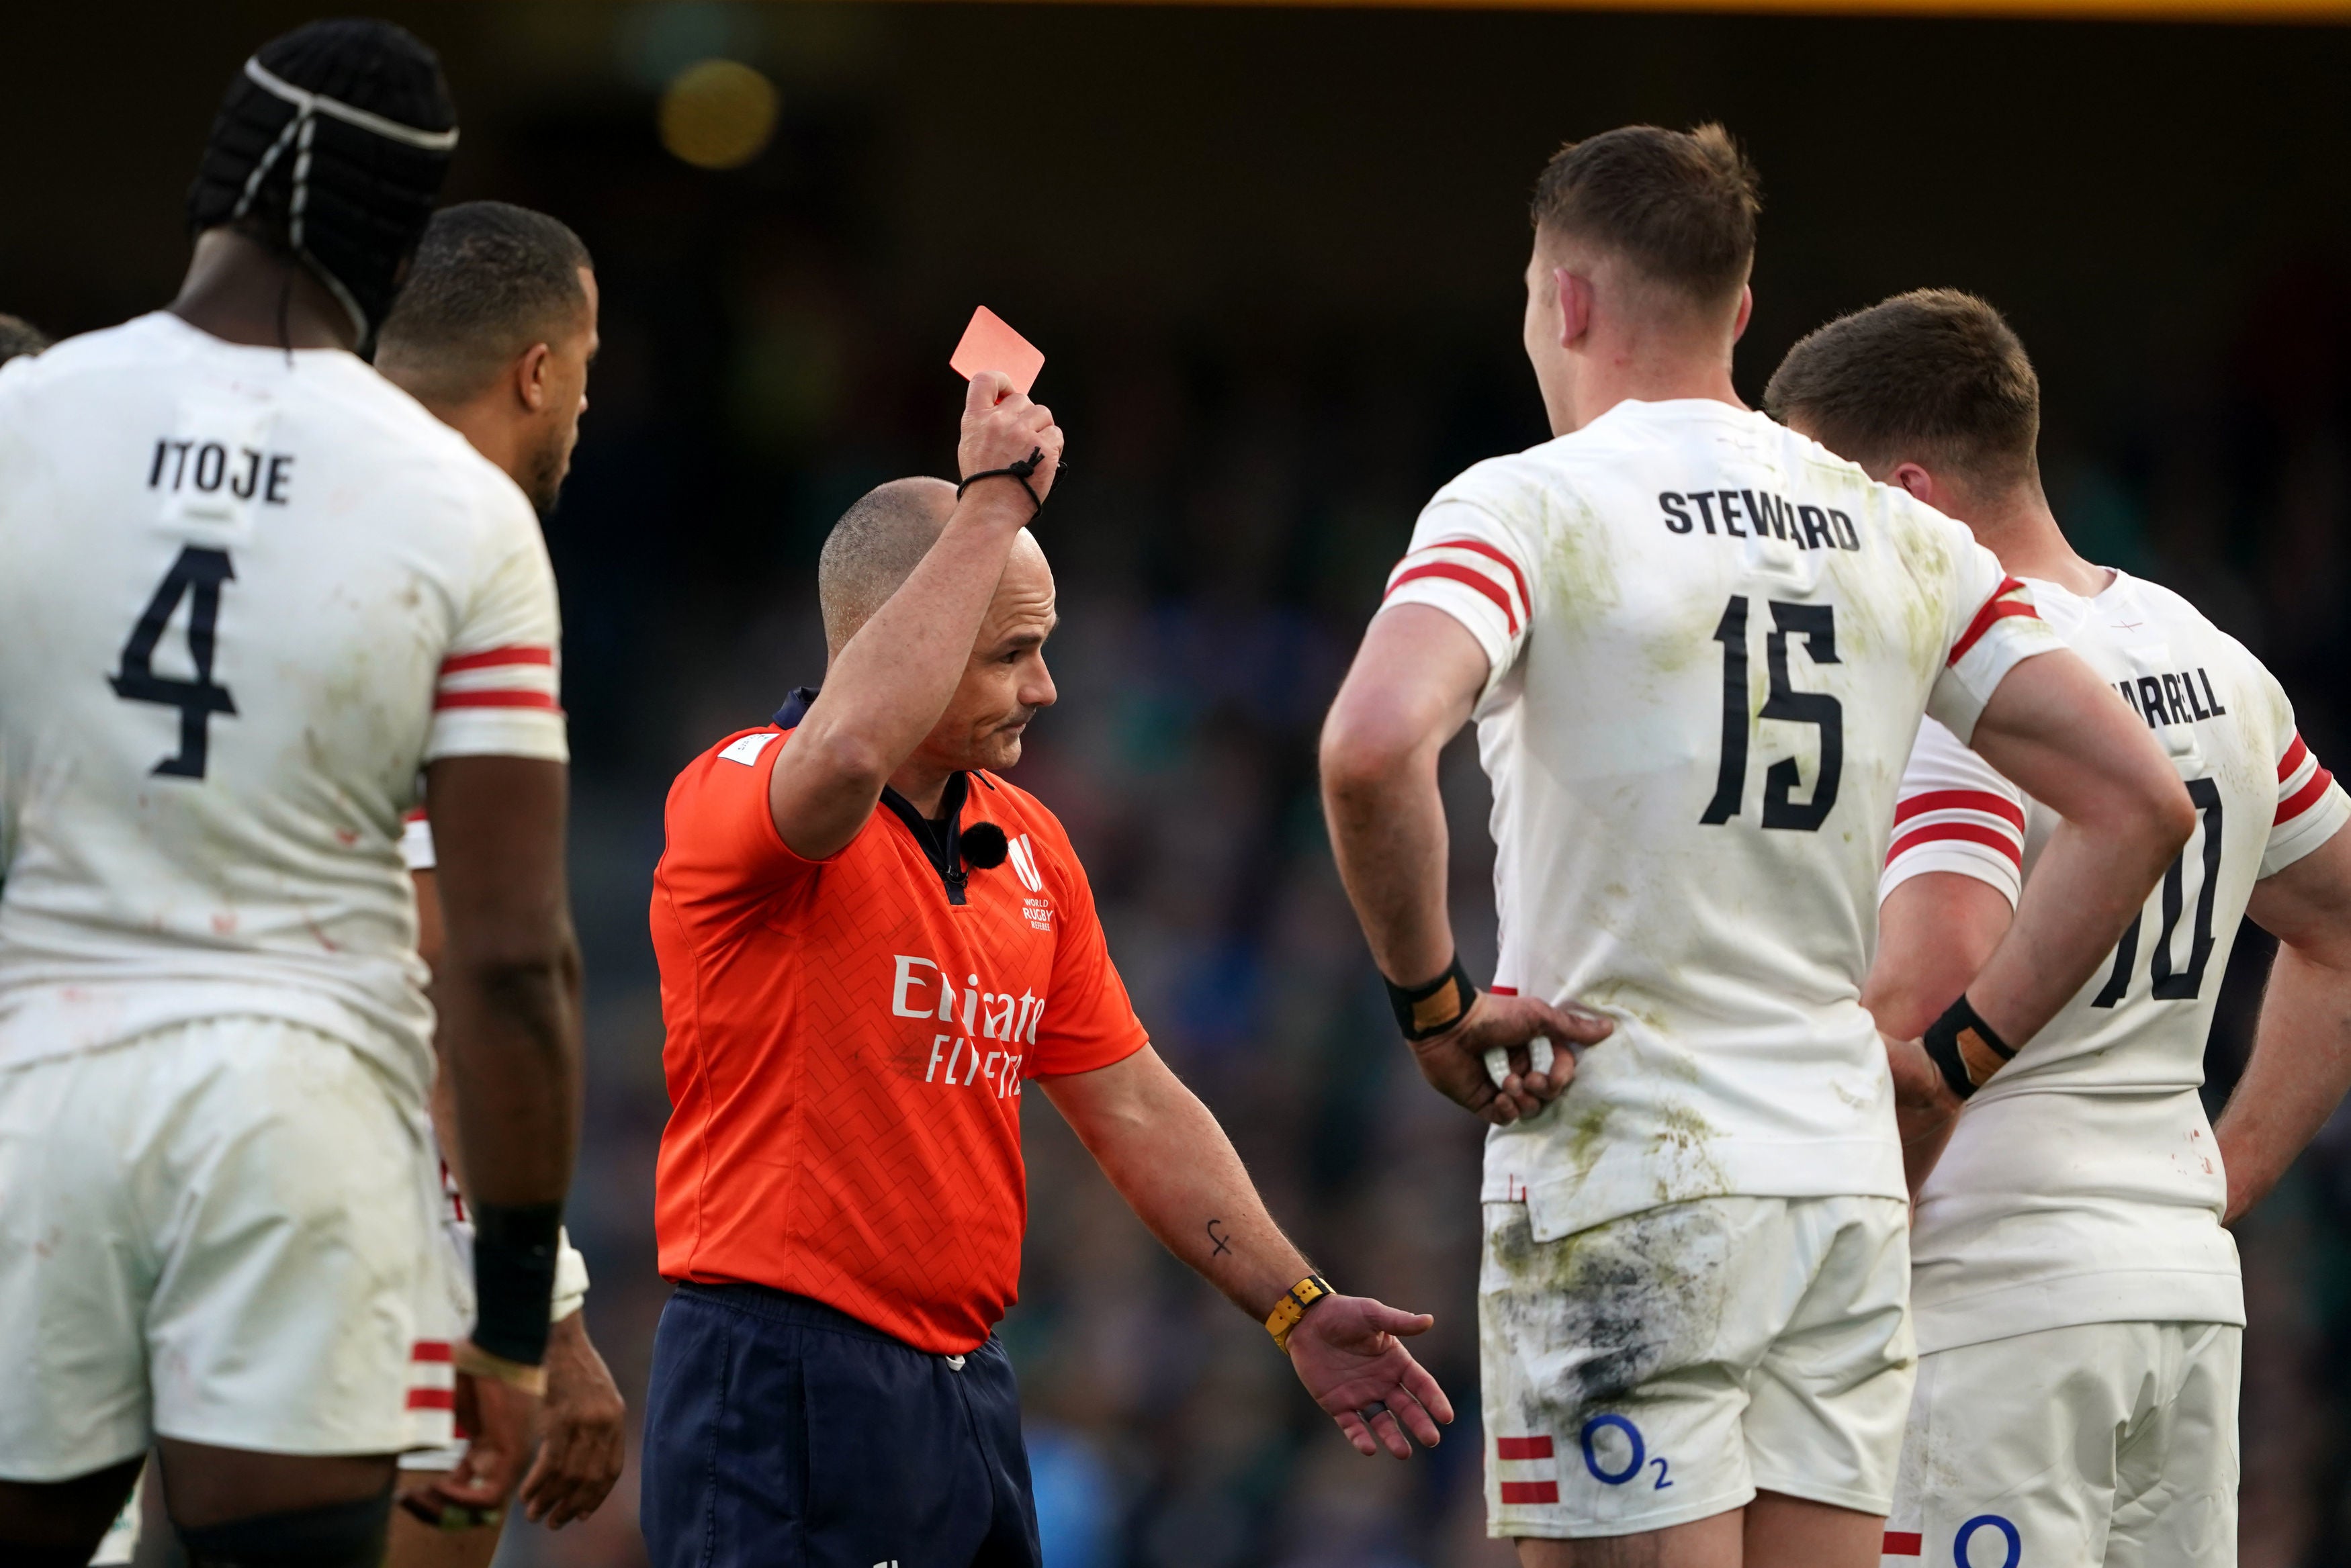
[(1711, 641), (247, 595), (2082, 1184)]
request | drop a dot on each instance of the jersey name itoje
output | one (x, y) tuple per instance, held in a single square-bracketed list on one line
[(192, 463), (1757, 513)]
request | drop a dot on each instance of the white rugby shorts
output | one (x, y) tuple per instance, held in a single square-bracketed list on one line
[(214, 1232), (1666, 1366), (2107, 1442)]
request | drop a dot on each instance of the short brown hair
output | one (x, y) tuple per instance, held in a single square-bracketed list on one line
[(1681, 205), (1934, 373), (488, 281)]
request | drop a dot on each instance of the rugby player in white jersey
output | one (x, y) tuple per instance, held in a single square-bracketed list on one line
[(494, 331), (252, 590), (1697, 646), (2077, 1304)]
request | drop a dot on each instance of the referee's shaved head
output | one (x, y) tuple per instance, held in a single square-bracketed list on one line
[(875, 547)]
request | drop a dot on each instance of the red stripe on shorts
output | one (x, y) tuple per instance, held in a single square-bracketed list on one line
[(1529, 1491), (1523, 1447), (1902, 1543)]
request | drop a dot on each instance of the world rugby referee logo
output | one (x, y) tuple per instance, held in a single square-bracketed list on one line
[(1023, 856)]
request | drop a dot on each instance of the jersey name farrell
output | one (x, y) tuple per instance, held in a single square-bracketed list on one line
[(1758, 514), (2172, 699)]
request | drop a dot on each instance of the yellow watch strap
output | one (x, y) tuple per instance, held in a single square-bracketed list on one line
[(1291, 1307)]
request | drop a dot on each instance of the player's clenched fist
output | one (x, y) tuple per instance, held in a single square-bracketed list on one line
[(1532, 1043), (1007, 439)]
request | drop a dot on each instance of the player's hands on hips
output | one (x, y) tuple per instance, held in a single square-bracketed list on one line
[(1346, 1351), (502, 1418), (1504, 1029), (1002, 427), (581, 1456), (1925, 1108)]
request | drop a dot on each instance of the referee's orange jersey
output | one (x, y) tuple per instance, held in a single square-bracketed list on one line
[(847, 1039)]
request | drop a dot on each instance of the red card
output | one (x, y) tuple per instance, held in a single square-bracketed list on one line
[(990, 345)]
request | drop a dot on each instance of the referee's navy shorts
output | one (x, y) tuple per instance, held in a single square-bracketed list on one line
[(780, 1433)]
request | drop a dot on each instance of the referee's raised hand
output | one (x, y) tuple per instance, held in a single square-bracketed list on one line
[(1002, 430)]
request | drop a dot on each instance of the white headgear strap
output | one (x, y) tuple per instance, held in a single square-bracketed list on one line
[(308, 107)]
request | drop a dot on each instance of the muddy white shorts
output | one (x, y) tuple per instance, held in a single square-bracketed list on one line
[(214, 1232), (2110, 1442), (1666, 1366)]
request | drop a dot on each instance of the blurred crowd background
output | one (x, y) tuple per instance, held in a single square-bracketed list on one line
[(1274, 258)]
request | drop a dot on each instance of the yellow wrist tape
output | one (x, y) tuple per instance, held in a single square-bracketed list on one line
[(1292, 1306), (473, 1359)]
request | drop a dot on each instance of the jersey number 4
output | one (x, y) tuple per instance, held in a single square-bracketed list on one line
[(2167, 984), (196, 576), (1817, 624)]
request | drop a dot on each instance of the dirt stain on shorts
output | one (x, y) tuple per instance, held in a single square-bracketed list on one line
[(1590, 1317)]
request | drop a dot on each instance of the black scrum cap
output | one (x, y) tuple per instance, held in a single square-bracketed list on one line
[(333, 138)]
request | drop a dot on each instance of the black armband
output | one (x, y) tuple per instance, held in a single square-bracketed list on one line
[(1421, 1011), (1020, 471), (1965, 1047), (515, 1248)]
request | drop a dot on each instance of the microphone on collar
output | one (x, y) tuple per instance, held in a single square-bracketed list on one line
[(983, 846)]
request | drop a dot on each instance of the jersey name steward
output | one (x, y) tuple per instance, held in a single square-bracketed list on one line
[(2081, 1184), (847, 1039), (249, 594), (1710, 642)]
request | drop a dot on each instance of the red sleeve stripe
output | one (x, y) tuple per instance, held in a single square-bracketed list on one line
[(543, 700), (415, 815), (430, 1350), (1991, 804), (1469, 576), (431, 1399), (1996, 607), (2303, 799), (1480, 546), (2292, 758), (1964, 832), (1507, 991), (491, 657)]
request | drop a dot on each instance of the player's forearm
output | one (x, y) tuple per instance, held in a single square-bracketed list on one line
[(889, 685), (2298, 1073), (1171, 1161), (2090, 880), (1388, 834), (510, 1045)]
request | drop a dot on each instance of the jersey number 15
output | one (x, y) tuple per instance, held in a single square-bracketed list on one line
[(196, 576), (1817, 624)]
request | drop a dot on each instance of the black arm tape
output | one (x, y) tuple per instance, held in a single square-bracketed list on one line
[(1421, 1011), (1965, 1047), (514, 1248), (1020, 471)]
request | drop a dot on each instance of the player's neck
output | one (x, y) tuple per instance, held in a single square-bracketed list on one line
[(1650, 377), (482, 422), (2022, 532), (240, 291)]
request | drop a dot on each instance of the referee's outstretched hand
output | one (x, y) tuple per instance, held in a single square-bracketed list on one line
[(1347, 1352), (1503, 1029), (1002, 427)]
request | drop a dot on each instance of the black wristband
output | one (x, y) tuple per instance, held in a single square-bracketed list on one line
[(1965, 1047), (1020, 471), (1421, 1011), (514, 1248)]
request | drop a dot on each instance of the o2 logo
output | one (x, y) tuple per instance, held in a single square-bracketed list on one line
[(1982, 1522), (1626, 1456)]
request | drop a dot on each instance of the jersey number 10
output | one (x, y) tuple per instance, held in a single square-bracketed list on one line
[(1817, 624), (2167, 985), (196, 576)]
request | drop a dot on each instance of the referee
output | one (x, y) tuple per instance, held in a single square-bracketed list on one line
[(855, 998)]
